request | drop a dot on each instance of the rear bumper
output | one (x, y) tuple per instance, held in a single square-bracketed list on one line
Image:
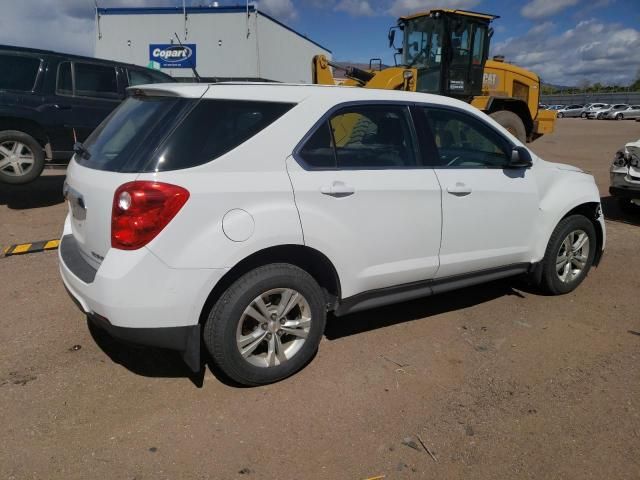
[(137, 298)]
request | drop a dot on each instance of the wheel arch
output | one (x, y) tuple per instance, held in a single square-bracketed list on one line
[(27, 126), (591, 210), (309, 259)]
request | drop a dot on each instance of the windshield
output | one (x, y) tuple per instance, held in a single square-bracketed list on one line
[(423, 43)]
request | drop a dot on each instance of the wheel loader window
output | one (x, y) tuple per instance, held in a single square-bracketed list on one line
[(464, 142)]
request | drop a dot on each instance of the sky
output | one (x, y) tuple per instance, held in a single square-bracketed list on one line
[(566, 42)]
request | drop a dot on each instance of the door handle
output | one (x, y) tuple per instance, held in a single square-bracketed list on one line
[(337, 189), (57, 106), (459, 189)]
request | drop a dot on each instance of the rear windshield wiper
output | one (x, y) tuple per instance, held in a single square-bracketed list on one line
[(81, 150)]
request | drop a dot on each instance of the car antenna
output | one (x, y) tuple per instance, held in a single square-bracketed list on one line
[(195, 72)]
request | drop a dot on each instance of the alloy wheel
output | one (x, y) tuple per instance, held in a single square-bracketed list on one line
[(572, 256), (273, 327), (16, 158)]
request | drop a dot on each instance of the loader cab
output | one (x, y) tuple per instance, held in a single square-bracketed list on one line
[(448, 48)]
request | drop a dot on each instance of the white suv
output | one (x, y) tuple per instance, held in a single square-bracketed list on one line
[(241, 214)]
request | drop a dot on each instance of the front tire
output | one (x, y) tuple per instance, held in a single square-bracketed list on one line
[(619, 116), (569, 255), (512, 123), (560, 115), (267, 325), (21, 157)]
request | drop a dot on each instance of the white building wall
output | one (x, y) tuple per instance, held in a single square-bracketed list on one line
[(228, 44)]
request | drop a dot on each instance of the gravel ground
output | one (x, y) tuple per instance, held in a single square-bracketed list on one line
[(498, 381)]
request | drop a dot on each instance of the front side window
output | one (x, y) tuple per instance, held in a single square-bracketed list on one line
[(96, 81), (362, 137), (18, 73), (463, 141)]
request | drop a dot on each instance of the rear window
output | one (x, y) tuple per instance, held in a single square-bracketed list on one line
[(141, 77), (166, 133), (18, 73)]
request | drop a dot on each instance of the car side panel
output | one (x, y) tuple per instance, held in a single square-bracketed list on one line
[(560, 192)]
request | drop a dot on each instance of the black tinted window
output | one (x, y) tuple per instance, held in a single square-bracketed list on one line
[(64, 83), (18, 73), (141, 77), (318, 151), (463, 141), (96, 81), (213, 128), (122, 139)]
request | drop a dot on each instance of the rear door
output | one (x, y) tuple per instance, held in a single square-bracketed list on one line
[(85, 94), (365, 200), (489, 212)]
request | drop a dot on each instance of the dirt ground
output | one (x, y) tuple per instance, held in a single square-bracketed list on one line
[(498, 381)]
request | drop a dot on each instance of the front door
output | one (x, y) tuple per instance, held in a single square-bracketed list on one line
[(489, 211), (365, 201)]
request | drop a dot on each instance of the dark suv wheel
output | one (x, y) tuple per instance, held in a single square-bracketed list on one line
[(267, 325), (21, 157)]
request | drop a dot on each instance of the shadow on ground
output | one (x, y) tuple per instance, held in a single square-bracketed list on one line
[(44, 191), (144, 361), (612, 211), (339, 327), (153, 362)]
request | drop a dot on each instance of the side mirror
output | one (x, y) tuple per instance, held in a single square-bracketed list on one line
[(391, 37), (520, 158)]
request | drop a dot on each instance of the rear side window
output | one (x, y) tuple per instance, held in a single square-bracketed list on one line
[(213, 128), (362, 137), (167, 133), (96, 81), (18, 72)]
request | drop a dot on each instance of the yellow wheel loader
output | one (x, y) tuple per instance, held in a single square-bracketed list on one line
[(446, 52)]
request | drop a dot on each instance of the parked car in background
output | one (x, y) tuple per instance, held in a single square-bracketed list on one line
[(610, 112), (238, 216), (597, 113), (592, 107), (50, 100), (632, 111), (625, 177), (571, 111), (555, 107)]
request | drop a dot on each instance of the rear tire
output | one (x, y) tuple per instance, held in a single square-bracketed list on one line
[(619, 116), (512, 122), (569, 255), (249, 338), (21, 157), (583, 115)]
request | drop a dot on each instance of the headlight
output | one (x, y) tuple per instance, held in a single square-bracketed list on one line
[(620, 160)]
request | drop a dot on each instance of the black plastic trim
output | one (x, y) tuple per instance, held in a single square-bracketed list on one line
[(185, 339), (410, 291), (72, 258), (624, 192)]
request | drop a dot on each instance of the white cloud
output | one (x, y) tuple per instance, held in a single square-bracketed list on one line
[(545, 8), (399, 8), (283, 9), (592, 50), (355, 7)]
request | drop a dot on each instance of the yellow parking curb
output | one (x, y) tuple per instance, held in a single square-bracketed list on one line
[(23, 248)]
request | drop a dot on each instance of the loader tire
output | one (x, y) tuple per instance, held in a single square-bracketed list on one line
[(512, 123)]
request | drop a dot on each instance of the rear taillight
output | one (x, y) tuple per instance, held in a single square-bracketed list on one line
[(141, 210)]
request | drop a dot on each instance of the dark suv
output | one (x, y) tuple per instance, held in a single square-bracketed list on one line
[(50, 100)]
